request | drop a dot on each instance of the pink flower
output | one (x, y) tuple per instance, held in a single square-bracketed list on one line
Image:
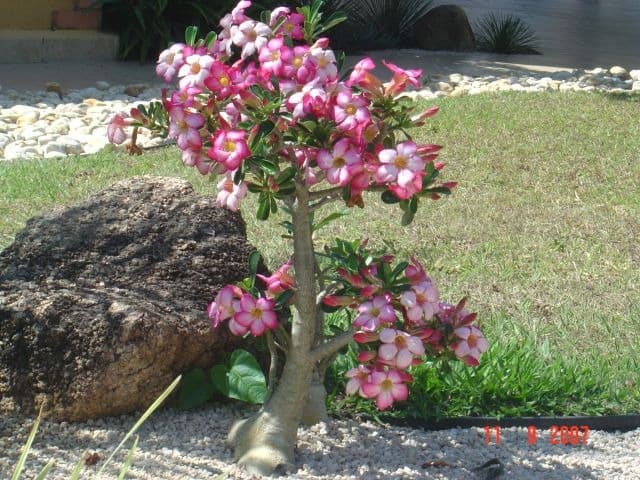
[(195, 70), (229, 148), (350, 110), (251, 36), (230, 194), (170, 61), (311, 100), (325, 60), (472, 344), (373, 313), (272, 56), (256, 315), (341, 163), (292, 26), (196, 158), (220, 80), (358, 377), (398, 348), (184, 98), (184, 127), (225, 306), (299, 66), (401, 164), (115, 129), (362, 77), (401, 78), (386, 387), (415, 272), (421, 302), (279, 281)]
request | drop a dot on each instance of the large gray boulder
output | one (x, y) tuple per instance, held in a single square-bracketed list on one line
[(102, 304), (445, 27)]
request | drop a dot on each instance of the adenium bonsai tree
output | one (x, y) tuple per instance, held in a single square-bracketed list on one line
[(262, 106)]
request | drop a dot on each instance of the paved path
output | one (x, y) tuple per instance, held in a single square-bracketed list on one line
[(35, 76)]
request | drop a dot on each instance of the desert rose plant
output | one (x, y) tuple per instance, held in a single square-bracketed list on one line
[(262, 106)]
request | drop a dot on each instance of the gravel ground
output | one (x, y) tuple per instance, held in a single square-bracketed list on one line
[(179, 445)]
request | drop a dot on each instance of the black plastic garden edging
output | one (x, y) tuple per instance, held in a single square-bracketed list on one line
[(607, 423)]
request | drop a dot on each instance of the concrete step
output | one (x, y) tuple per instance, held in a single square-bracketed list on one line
[(35, 46), (76, 19)]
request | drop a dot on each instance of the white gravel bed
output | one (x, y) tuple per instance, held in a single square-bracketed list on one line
[(45, 125), (178, 445)]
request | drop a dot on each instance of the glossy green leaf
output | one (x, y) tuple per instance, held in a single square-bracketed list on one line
[(388, 197), (218, 375), (190, 35), (195, 390), (246, 380)]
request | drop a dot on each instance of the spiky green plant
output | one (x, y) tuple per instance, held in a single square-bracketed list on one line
[(375, 24), (505, 33)]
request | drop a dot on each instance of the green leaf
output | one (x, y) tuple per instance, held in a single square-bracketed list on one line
[(140, 421), (286, 175), (330, 218), (246, 380), (254, 260), (77, 469), (407, 217), (264, 206), (218, 375), (335, 19), (26, 448), (190, 35), (282, 300), (45, 470), (195, 390), (127, 461), (210, 38), (388, 197)]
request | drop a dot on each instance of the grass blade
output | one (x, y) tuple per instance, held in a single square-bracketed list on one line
[(127, 461), (75, 473), (45, 471), (140, 421), (27, 447)]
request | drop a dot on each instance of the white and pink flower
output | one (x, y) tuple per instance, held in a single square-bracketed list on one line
[(195, 70), (256, 315), (225, 305), (350, 110), (358, 377), (185, 126), (386, 388), (170, 61), (341, 163), (230, 194), (399, 348), (471, 345), (229, 148), (251, 36), (279, 281), (422, 302), (400, 165), (372, 314)]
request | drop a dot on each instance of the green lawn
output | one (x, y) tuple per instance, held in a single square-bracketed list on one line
[(541, 235)]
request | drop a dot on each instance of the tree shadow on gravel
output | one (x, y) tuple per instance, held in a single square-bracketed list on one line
[(373, 452)]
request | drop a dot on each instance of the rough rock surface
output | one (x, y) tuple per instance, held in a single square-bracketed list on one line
[(103, 303), (445, 27)]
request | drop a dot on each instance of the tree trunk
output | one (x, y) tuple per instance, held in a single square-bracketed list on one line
[(266, 441)]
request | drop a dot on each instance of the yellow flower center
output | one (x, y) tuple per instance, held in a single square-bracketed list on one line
[(472, 340), (322, 62), (170, 58), (224, 80), (386, 385), (339, 162), (228, 186), (400, 342), (252, 35), (350, 109), (256, 313), (375, 311), (297, 61), (401, 162), (182, 125), (195, 68), (275, 55), (229, 146), (288, 27)]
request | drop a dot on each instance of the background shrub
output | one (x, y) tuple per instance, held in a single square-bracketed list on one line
[(501, 33)]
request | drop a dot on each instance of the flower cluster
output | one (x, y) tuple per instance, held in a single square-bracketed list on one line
[(399, 318), (263, 81)]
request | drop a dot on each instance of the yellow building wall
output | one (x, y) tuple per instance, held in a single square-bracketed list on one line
[(30, 14)]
